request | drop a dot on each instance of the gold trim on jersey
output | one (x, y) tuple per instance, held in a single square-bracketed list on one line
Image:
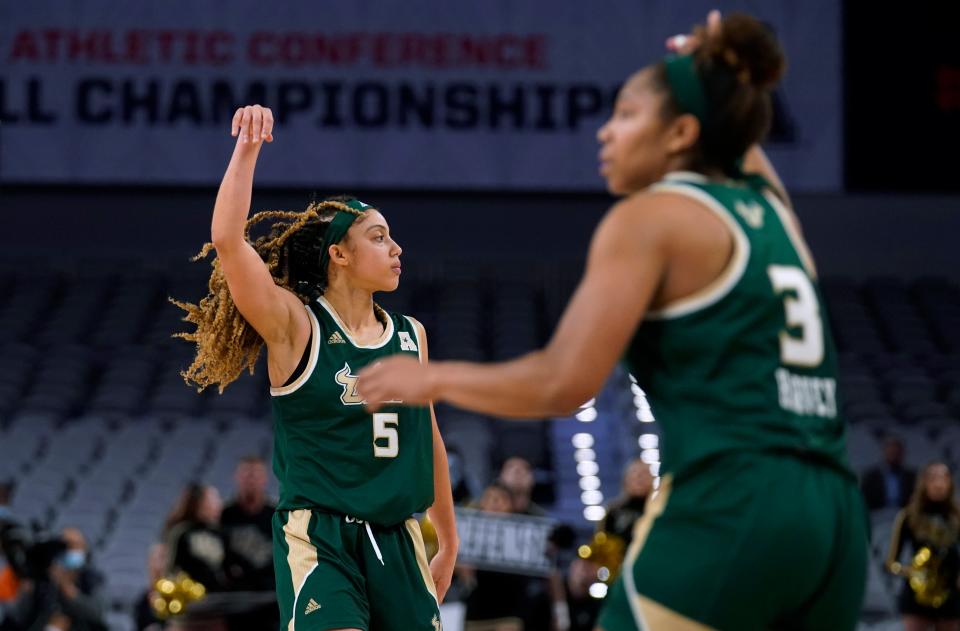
[(792, 228), (417, 328), (378, 343), (731, 274), (686, 176), (416, 538), (650, 615), (660, 618), (895, 534), (301, 555), (654, 508), (311, 363)]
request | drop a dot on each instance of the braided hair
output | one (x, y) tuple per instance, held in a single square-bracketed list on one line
[(226, 344)]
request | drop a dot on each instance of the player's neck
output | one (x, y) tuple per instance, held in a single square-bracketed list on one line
[(681, 163), (354, 307)]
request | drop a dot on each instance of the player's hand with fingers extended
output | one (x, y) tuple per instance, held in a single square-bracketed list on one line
[(398, 378), (252, 125)]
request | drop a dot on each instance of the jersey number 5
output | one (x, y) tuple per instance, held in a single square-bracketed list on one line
[(385, 429), (803, 313)]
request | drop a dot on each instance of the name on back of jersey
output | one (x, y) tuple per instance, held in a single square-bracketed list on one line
[(807, 396)]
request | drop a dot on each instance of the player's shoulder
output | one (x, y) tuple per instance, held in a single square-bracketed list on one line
[(404, 321), (647, 217), (408, 332)]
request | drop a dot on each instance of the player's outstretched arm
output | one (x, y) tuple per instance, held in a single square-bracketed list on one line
[(626, 263), (268, 308)]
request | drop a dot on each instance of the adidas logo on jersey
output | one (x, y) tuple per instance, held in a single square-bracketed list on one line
[(437, 625), (336, 338), (311, 607)]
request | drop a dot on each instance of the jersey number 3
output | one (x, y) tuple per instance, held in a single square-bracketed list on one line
[(385, 430), (802, 312)]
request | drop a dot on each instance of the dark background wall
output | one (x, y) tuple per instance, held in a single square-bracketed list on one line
[(902, 101), (856, 235)]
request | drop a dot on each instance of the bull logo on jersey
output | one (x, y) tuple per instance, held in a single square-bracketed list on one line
[(348, 380), (751, 212)]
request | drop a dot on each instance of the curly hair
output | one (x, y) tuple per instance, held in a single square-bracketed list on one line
[(739, 68), (226, 343)]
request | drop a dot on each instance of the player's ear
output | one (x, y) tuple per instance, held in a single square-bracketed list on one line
[(339, 255), (683, 133)]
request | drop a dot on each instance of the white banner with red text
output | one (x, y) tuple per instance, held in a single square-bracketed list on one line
[(421, 94)]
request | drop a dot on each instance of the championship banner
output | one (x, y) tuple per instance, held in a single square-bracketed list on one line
[(504, 542), (405, 94)]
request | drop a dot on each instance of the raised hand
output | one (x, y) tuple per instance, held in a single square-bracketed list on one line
[(686, 44), (252, 124)]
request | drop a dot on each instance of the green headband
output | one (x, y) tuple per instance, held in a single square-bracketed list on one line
[(686, 86), (338, 228)]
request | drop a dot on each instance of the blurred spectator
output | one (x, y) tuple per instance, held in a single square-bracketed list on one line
[(247, 529), (246, 524), (582, 608), (496, 498), (8, 578), (516, 475), (66, 597), (931, 521), (458, 476), (195, 542), (500, 601), (560, 548), (888, 485), (494, 603), (79, 576), (6, 496), (626, 509), (144, 616)]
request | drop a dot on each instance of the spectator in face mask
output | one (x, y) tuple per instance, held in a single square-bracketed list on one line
[(79, 582), (69, 598)]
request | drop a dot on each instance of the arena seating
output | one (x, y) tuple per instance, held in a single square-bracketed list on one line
[(99, 430)]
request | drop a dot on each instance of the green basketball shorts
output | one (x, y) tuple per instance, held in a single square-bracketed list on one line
[(750, 541), (336, 572)]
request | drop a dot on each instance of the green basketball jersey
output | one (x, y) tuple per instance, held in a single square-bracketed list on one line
[(330, 453), (747, 363)]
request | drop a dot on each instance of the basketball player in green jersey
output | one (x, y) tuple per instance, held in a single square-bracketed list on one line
[(700, 281), (347, 553)]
